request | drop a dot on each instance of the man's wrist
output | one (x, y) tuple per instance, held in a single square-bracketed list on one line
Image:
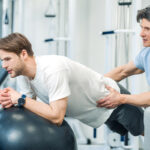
[(16, 100), (123, 99), (22, 100)]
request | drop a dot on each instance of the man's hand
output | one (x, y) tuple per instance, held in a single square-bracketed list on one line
[(112, 100), (5, 99), (13, 94), (9, 97)]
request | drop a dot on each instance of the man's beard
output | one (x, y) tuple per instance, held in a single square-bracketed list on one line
[(18, 71)]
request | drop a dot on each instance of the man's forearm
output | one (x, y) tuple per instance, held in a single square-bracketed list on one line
[(116, 74), (142, 99), (45, 110), (124, 71), (54, 112)]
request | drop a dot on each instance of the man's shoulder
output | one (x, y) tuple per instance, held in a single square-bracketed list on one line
[(145, 51), (51, 62), (147, 48), (50, 58)]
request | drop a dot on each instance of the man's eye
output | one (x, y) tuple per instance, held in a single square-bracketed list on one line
[(6, 59), (147, 29)]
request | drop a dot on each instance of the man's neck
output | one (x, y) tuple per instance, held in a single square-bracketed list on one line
[(30, 68)]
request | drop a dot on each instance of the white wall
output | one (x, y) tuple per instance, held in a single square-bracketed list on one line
[(33, 23), (145, 3), (87, 44), (79, 28), (88, 21), (96, 47)]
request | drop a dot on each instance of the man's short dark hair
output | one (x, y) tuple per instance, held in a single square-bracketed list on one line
[(143, 14), (16, 42)]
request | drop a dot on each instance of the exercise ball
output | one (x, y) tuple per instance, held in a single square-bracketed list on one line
[(20, 129)]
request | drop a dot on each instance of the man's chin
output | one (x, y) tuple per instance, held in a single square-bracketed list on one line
[(146, 44), (12, 75)]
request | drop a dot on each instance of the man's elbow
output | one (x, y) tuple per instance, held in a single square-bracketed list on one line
[(57, 121), (123, 75)]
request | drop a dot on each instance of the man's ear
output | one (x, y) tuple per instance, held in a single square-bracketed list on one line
[(24, 54)]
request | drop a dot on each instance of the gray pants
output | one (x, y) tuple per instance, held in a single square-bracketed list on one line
[(126, 118)]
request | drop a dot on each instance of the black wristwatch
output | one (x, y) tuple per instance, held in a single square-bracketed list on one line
[(21, 100)]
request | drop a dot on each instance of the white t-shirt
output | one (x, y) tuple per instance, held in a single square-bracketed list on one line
[(58, 77)]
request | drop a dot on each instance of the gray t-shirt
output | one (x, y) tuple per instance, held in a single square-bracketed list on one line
[(58, 77)]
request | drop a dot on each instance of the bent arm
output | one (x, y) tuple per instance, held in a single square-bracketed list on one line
[(54, 112), (124, 71)]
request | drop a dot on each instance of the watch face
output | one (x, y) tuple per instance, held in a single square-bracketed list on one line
[(21, 102)]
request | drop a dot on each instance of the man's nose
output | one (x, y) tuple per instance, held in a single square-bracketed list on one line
[(142, 34), (4, 65)]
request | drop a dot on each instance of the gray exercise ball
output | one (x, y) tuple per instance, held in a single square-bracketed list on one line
[(20, 129)]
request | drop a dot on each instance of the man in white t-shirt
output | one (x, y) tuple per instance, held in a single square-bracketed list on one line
[(64, 87)]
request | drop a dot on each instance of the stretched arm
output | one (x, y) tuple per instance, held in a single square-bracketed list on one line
[(142, 99), (124, 71), (53, 112), (115, 98)]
